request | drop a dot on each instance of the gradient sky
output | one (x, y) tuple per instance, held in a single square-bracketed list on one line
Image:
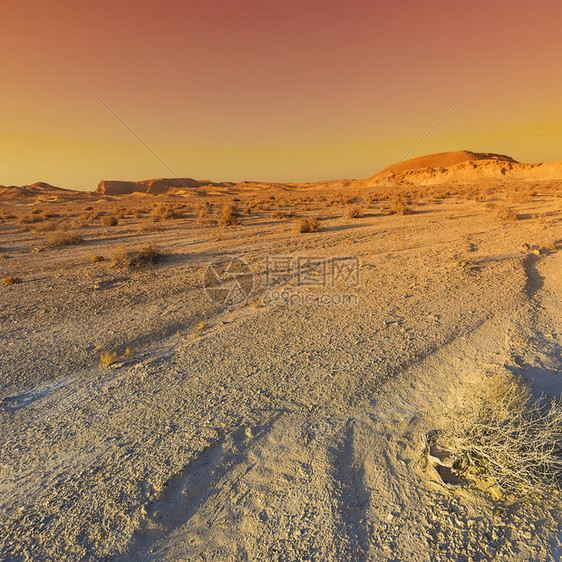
[(292, 90)]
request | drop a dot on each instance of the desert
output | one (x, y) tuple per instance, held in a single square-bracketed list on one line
[(216, 370)]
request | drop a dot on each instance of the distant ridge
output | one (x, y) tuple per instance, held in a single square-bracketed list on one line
[(36, 190), (154, 186), (461, 166)]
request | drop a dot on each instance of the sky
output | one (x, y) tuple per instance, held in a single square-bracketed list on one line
[(292, 90)]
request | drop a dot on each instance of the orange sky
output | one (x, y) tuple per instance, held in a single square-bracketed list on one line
[(273, 90)]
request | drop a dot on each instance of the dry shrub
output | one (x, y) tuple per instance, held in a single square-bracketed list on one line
[(229, 215), (76, 224), (109, 220), (65, 238), (306, 225), (48, 226), (353, 212), (278, 215), (400, 207), (29, 219), (149, 227), (167, 212), (107, 358), (204, 216), (506, 436), (134, 258), (504, 213), (12, 280), (518, 196)]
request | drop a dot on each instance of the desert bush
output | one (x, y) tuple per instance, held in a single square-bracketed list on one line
[(11, 280), (76, 224), (400, 207), (65, 238), (229, 215), (167, 212), (108, 358), (109, 220), (29, 219), (506, 435), (134, 258), (204, 216), (306, 225), (353, 212), (278, 215), (518, 196), (47, 226), (504, 213), (121, 212), (96, 258), (149, 227)]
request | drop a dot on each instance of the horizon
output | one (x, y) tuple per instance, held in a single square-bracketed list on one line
[(279, 92), (215, 180)]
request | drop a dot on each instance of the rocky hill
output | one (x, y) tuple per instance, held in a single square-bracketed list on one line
[(154, 186), (464, 166)]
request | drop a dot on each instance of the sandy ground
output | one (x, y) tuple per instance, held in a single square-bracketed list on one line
[(278, 430)]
